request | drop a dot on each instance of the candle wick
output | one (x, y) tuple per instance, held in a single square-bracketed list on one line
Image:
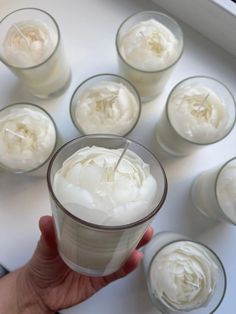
[(142, 34), (192, 284), (109, 98), (122, 154), (22, 35), (113, 97), (14, 133), (204, 99)]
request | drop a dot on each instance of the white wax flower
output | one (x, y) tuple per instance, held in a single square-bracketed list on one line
[(90, 189), (198, 114), (149, 46), (226, 190), (107, 107), (183, 276), (27, 138), (29, 43)]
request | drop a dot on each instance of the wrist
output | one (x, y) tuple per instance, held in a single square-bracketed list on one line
[(18, 296), (28, 300)]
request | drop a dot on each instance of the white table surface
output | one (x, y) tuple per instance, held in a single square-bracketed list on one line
[(88, 30)]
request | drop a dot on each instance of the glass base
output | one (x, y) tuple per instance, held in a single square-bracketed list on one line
[(194, 199), (216, 216), (167, 149), (56, 93), (86, 271), (146, 99)]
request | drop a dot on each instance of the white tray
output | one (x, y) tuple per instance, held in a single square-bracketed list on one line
[(88, 31)]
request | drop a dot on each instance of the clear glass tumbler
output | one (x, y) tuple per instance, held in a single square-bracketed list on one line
[(149, 81), (163, 243), (31, 47), (109, 110), (28, 139), (93, 249), (214, 192), (181, 131)]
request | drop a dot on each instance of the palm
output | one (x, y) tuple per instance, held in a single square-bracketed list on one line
[(70, 288), (60, 287)]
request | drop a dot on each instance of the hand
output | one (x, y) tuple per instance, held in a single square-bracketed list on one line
[(53, 285)]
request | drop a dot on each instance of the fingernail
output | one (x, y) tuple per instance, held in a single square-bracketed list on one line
[(140, 255)]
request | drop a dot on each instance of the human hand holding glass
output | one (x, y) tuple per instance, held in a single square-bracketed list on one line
[(46, 284)]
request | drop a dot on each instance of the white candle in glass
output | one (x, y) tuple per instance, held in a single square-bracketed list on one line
[(148, 46), (105, 104), (31, 47), (214, 192), (183, 275), (199, 111), (104, 191), (27, 137)]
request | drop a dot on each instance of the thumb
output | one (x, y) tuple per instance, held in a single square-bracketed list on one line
[(47, 245), (46, 267), (47, 230)]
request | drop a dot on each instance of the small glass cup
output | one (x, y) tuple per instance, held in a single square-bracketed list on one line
[(22, 135), (116, 125), (169, 134), (214, 192), (149, 83), (164, 240), (93, 249), (47, 76)]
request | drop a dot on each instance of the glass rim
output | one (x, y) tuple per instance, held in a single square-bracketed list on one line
[(54, 49), (157, 13), (78, 127), (55, 144), (185, 239), (219, 172), (97, 226), (199, 77)]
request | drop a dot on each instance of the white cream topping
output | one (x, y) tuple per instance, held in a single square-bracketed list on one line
[(226, 190), (90, 189), (27, 138), (183, 275), (29, 43), (149, 46), (107, 107), (198, 114)]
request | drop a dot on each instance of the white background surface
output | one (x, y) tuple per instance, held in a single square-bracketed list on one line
[(215, 19), (88, 30)]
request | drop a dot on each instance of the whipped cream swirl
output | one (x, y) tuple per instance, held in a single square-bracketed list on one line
[(149, 46), (183, 276), (29, 43), (226, 190), (198, 114), (27, 138), (108, 107), (90, 189)]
